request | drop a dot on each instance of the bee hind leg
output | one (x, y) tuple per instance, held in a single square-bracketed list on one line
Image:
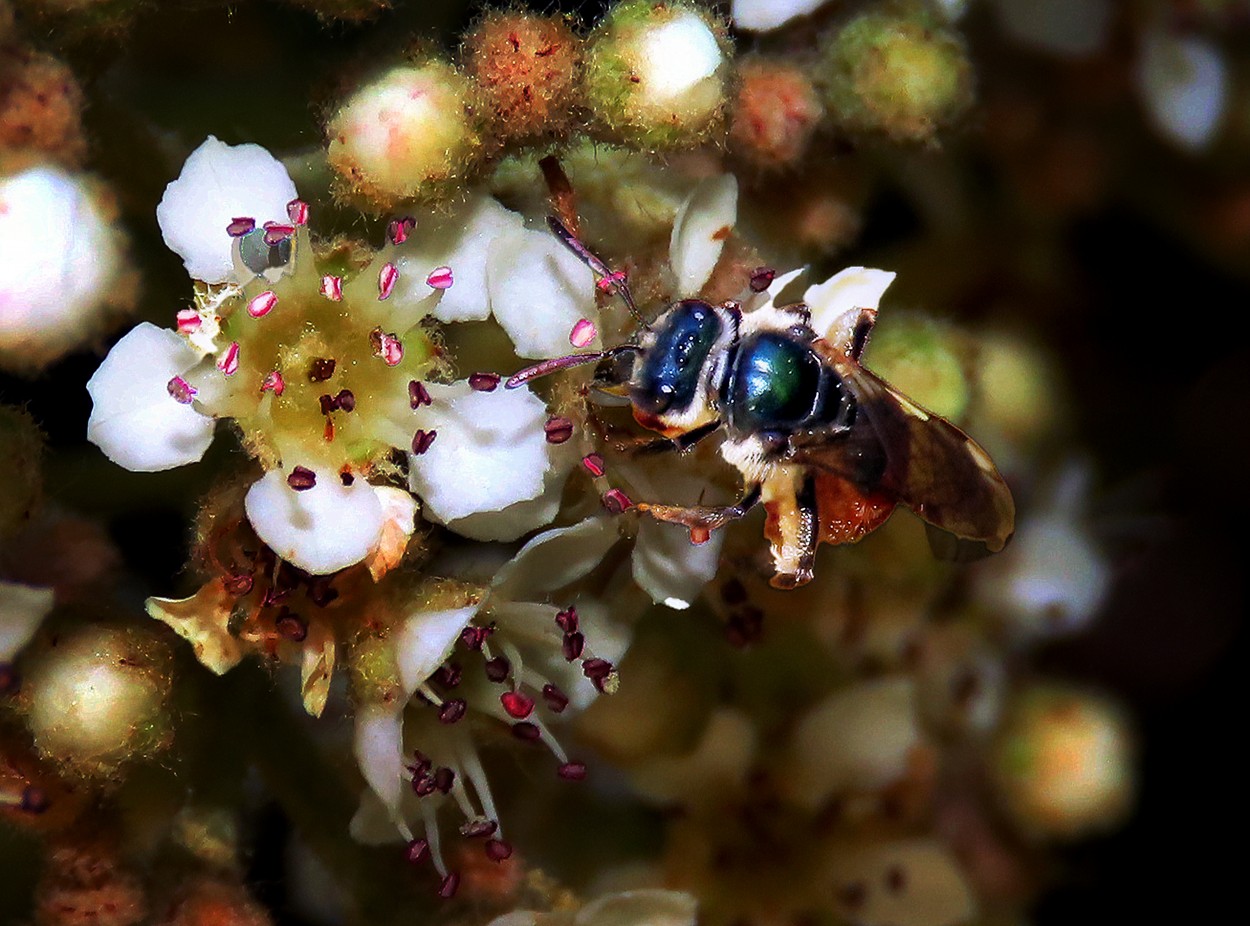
[(704, 518), (796, 538)]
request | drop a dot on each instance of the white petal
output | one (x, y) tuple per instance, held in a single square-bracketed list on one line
[(762, 15), (703, 223), (678, 59), (490, 451), (379, 751), (1184, 83), (857, 739), (134, 419), (461, 242), (835, 303), (670, 568), (60, 258), (425, 640), (522, 517), (1075, 28), (218, 183), (652, 907), (22, 610), (321, 530), (556, 558), (538, 291)]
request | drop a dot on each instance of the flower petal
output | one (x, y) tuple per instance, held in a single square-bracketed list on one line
[(1184, 84), (835, 304), (134, 419), (321, 530), (538, 291), (202, 620), (522, 517), (763, 15), (650, 907), (379, 751), (425, 640), (460, 242), (399, 512), (702, 224), (555, 558), (22, 610), (490, 451), (219, 183), (317, 666), (670, 568)]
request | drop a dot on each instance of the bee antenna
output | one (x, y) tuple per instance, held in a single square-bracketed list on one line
[(554, 365), (610, 280)]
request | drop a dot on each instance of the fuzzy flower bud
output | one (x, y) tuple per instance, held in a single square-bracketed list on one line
[(97, 697), (40, 106), (656, 73), (775, 113), (1063, 763), (526, 68), (404, 135), (62, 279), (905, 75)]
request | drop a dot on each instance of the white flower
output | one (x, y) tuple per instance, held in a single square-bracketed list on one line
[(218, 184), (680, 59), (1184, 84), (538, 291), (60, 266), (699, 231), (763, 15), (134, 418), (490, 453), (321, 529), (460, 242), (22, 610)]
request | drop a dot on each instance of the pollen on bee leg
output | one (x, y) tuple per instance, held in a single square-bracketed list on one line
[(297, 212), (229, 363), (273, 382), (261, 305), (584, 331), (440, 278), (240, 226), (181, 391), (332, 287), (187, 321), (388, 276)]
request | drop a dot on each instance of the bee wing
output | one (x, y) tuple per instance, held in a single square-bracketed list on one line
[(923, 460)]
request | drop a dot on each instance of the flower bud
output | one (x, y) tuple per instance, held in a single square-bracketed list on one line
[(656, 74), (405, 135), (904, 75), (40, 106), (96, 697), (62, 280), (924, 360), (526, 69), (775, 113), (1063, 763)]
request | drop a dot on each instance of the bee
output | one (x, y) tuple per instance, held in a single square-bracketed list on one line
[(824, 444)]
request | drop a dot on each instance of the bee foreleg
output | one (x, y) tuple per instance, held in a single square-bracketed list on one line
[(861, 332), (704, 517)]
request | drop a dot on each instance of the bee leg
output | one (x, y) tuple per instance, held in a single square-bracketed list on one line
[(795, 555), (665, 444), (704, 518)]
